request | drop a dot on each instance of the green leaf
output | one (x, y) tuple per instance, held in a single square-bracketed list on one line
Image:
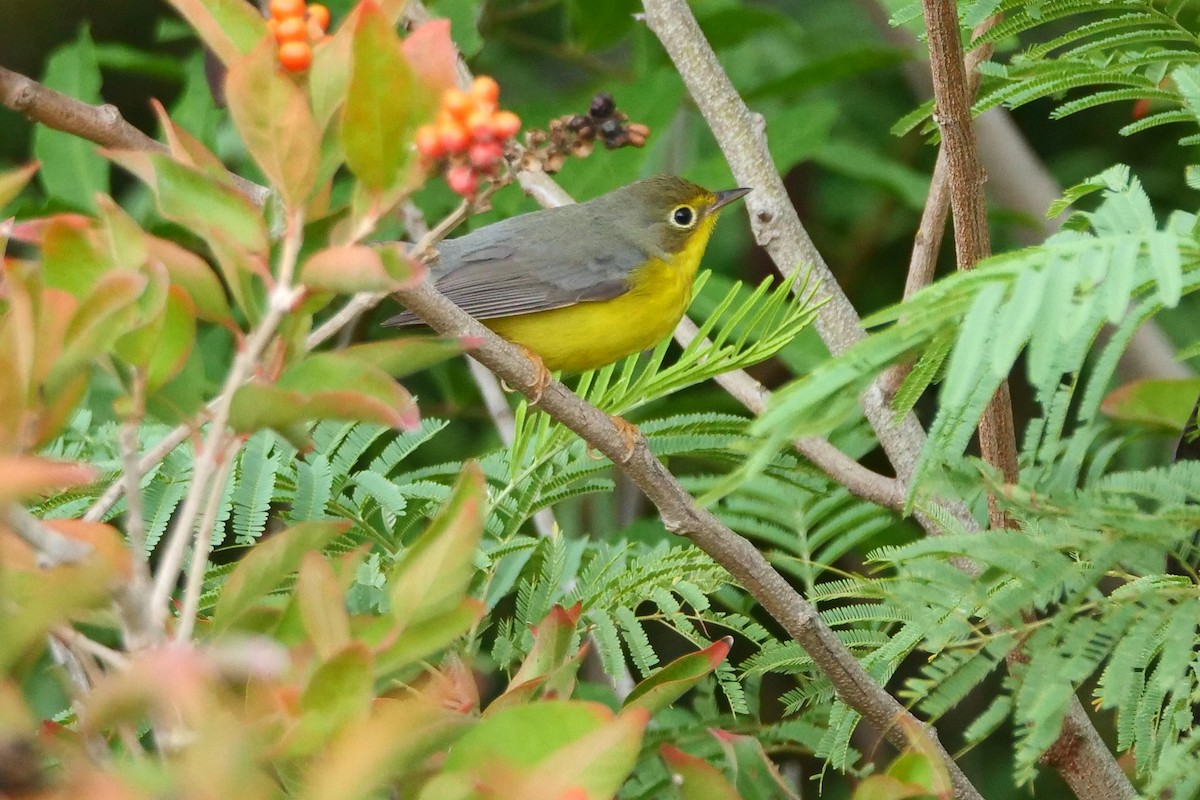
[(271, 113), (421, 640), (72, 170), (191, 273), (432, 575), (195, 200), (401, 357), (384, 104), (267, 564), (668, 684)]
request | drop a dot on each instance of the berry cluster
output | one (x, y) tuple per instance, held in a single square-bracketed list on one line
[(469, 135), (575, 135), (297, 26)]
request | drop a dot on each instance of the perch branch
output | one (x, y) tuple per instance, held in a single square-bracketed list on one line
[(680, 515)]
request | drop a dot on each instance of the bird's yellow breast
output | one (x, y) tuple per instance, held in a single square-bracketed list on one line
[(590, 335)]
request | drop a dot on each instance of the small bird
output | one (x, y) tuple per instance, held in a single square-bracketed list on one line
[(581, 286)]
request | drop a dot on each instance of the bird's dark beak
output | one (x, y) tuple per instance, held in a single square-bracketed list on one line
[(726, 197)]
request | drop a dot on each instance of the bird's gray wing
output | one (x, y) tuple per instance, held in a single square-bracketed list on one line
[(499, 272)]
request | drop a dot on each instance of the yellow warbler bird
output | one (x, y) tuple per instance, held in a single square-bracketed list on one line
[(583, 285)]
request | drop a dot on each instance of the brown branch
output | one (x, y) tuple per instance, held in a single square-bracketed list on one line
[(680, 515), (102, 124), (997, 435)]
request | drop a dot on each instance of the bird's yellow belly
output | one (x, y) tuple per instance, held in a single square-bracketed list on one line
[(590, 335)]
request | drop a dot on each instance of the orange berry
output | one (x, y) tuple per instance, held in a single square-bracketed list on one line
[(479, 125), (462, 180), (320, 15), (485, 155), (453, 138), (505, 124), (458, 103), (485, 89), (291, 29), (429, 144), (295, 56), (282, 9), (272, 25)]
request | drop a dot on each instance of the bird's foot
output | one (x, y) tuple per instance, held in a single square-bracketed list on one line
[(541, 377), (629, 432)]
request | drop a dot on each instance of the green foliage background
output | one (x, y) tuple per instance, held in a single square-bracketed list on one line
[(1101, 512)]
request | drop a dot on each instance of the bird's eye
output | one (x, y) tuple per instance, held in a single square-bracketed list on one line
[(683, 216)]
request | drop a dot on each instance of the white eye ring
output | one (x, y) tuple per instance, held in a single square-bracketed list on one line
[(683, 217)]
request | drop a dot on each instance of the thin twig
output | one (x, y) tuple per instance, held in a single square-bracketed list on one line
[(862, 482), (203, 543), (281, 300)]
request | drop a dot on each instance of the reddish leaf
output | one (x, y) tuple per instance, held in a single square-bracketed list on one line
[(14, 180), (363, 758), (120, 238), (346, 270), (361, 387), (267, 564), (271, 113), (96, 325), (695, 778), (230, 28), (27, 476), (551, 644), (384, 103), (665, 686), (432, 55)]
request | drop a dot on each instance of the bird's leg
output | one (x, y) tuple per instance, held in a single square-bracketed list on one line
[(541, 376), (629, 432)]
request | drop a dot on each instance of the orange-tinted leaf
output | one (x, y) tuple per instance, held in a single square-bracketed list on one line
[(271, 113), (666, 686), (338, 693), (695, 778), (28, 476), (14, 180), (432, 55), (229, 27), (431, 576), (1163, 403), (598, 763), (187, 149), (193, 274), (398, 734), (384, 103), (346, 270), (105, 540), (267, 564), (100, 320), (120, 237), (322, 605)]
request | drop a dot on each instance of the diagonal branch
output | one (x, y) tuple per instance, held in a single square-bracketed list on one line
[(681, 515)]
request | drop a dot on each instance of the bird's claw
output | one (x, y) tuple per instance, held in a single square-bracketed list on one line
[(541, 377)]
